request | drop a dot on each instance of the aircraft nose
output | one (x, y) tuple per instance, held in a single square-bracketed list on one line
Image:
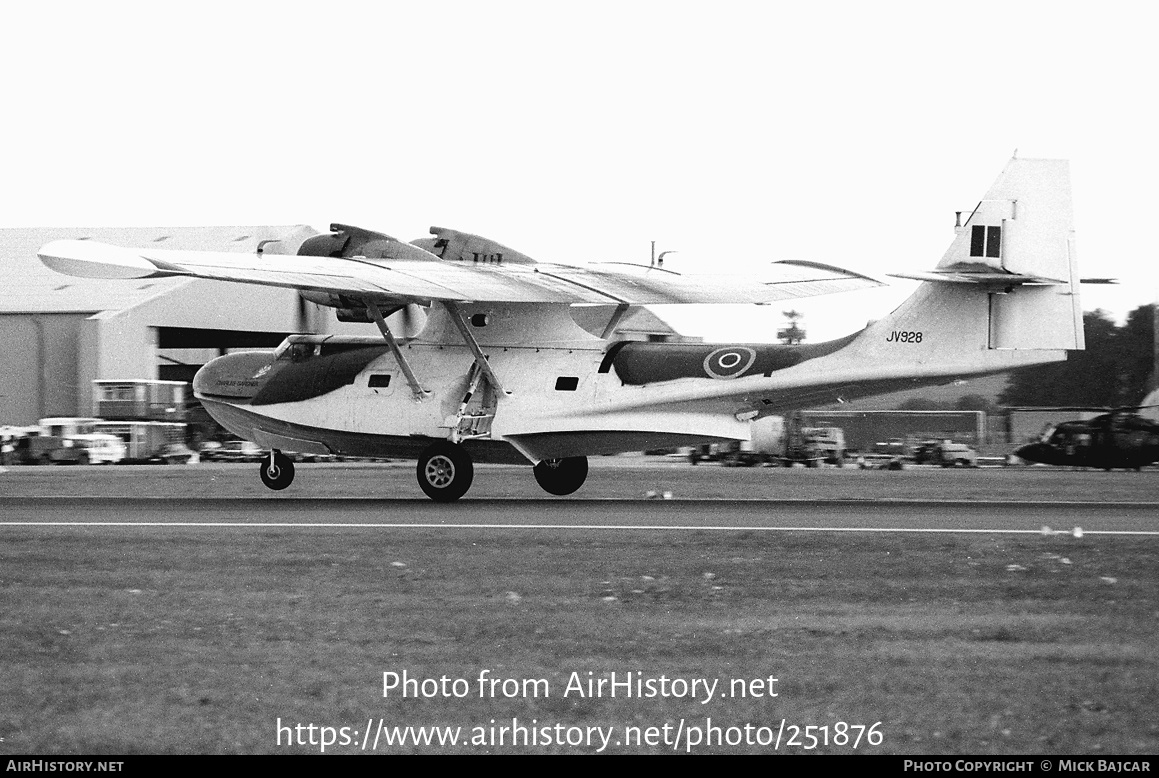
[(236, 377), (1033, 452)]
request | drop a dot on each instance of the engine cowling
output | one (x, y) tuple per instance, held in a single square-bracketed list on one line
[(344, 240)]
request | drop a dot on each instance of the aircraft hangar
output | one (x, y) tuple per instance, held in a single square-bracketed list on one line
[(61, 332)]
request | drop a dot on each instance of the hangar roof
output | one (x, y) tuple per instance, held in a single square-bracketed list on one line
[(30, 287)]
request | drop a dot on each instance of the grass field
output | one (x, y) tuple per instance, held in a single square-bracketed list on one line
[(202, 641)]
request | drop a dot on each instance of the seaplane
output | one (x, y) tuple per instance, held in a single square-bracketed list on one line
[(478, 358)]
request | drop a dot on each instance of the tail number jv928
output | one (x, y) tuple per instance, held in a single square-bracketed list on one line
[(904, 337)]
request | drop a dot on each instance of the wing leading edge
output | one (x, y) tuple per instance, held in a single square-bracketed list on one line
[(412, 276)]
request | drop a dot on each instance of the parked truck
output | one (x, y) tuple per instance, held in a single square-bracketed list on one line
[(776, 440), (150, 442), (945, 453), (63, 440)]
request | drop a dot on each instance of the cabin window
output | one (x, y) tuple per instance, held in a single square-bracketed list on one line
[(479, 320), (993, 241), (117, 392), (978, 241), (379, 380), (985, 241), (566, 383)]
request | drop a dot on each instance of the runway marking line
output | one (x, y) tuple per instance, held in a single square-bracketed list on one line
[(679, 501), (652, 527)]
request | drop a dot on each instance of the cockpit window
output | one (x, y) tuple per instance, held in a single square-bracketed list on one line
[(1070, 436), (295, 352), (300, 352)]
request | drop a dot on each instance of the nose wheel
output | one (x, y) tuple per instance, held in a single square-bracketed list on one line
[(561, 476), (277, 470), (445, 471)]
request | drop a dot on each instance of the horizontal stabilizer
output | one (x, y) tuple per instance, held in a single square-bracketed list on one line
[(985, 278)]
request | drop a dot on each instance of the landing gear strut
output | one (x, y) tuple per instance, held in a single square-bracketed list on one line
[(562, 476), (277, 470), (445, 471)]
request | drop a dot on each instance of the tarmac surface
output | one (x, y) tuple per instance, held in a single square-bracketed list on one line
[(621, 493)]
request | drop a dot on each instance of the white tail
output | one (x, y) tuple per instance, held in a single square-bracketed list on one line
[(1005, 293)]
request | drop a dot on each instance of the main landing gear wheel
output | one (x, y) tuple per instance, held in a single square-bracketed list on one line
[(277, 470), (445, 471), (562, 476)]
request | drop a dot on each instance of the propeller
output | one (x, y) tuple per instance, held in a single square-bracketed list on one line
[(407, 321), (303, 322)]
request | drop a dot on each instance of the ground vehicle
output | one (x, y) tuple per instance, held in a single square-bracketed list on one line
[(150, 441), (815, 445), (894, 447), (945, 453), (66, 440), (234, 451), (176, 454), (777, 441), (10, 437)]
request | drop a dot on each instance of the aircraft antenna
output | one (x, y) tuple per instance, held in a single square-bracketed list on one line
[(658, 261), (262, 245)]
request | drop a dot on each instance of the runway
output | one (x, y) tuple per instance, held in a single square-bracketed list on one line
[(606, 515), (621, 493)]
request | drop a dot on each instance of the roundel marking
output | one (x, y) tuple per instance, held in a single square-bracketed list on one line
[(729, 362)]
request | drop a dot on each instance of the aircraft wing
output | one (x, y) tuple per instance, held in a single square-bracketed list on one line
[(418, 276)]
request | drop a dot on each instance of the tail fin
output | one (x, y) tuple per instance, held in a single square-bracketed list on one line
[(1005, 293)]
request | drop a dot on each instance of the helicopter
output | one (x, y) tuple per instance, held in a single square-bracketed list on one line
[(1126, 438)]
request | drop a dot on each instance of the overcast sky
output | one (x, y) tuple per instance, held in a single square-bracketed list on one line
[(731, 132)]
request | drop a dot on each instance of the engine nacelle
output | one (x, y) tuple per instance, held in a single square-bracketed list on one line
[(344, 240), (346, 309)]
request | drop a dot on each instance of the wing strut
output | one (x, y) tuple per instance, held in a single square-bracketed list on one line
[(614, 322), (415, 386), (472, 344)]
